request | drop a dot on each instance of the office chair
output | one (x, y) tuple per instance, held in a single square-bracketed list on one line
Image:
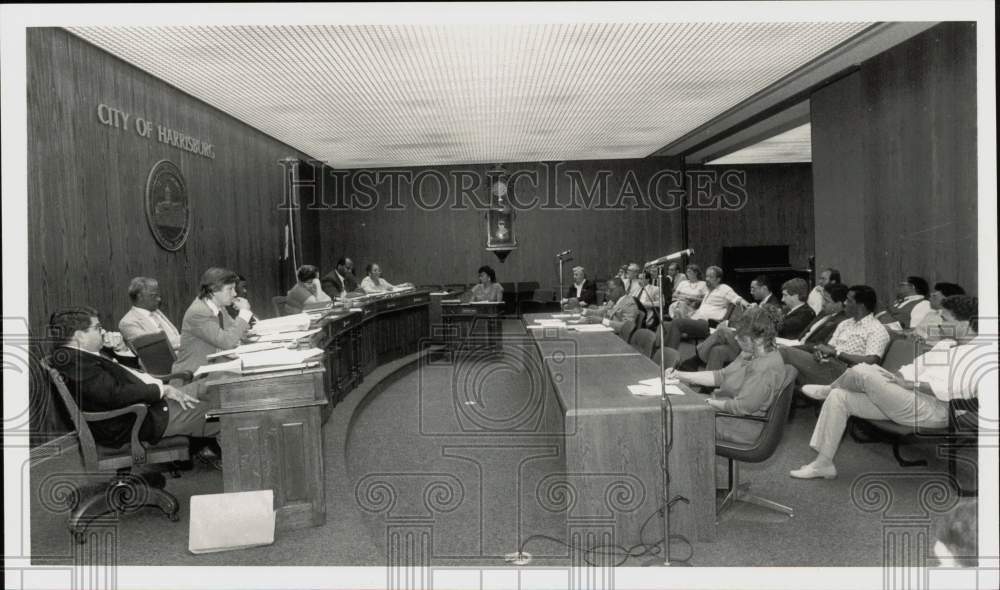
[(157, 357), (125, 493), (759, 450), (643, 340)]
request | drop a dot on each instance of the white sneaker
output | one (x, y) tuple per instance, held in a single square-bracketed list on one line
[(817, 392)]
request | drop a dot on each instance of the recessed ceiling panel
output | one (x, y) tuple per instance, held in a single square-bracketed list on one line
[(794, 145), (423, 95)]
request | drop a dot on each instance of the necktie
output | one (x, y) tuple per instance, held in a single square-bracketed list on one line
[(222, 325)]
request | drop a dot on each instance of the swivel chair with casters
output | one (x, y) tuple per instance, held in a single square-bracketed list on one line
[(759, 450), (126, 492)]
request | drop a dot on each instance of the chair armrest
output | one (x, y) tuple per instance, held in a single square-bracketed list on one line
[(185, 376), (751, 418), (140, 411)]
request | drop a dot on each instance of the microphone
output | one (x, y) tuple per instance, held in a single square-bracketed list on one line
[(670, 257), (563, 253)]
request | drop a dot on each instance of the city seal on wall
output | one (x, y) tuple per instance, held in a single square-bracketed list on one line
[(167, 209)]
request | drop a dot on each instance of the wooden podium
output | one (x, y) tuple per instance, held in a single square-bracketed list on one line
[(461, 320), (271, 439)]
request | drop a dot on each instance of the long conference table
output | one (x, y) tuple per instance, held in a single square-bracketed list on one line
[(613, 438), (271, 422)]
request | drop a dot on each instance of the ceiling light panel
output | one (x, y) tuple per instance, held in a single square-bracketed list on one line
[(794, 145), (421, 95)]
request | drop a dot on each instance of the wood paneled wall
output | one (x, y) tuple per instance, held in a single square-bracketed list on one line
[(86, 187), (777, 209), (895, 153), (446, 245)]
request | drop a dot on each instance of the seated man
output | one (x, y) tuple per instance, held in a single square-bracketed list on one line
[(145, 316), (714, 307), (916, 396), (821, 329), (858, 339), (100, 385), (620, 310), (797, 313), (631, 279), (721, 348), (582, 292), (910, 306), (815, 300), (206, 328), (340, 282), (926, 328), (306, 290)]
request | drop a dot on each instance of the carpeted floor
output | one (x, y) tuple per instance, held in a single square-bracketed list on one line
[(447, 455)]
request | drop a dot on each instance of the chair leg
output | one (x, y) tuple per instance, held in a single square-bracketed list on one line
[(740, 492), (905, 462), (124, 495)]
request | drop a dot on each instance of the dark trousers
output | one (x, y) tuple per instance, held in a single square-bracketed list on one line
[(683, 327)]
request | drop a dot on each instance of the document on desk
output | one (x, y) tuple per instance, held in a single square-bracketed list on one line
[(288, 336), (288, 323), (452, 301), (655, 382), (278, 357), (245, 348), (566, 316), (653, 390), (592, 328), (233, 366)]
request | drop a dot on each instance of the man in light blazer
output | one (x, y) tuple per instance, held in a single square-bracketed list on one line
[(145, 316), (206, 327), (618, 312)]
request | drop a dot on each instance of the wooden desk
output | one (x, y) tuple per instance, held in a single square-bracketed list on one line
[(271, 439), (612, 438), (461, 319)]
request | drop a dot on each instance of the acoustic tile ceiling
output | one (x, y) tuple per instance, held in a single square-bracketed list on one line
[(395, 95), (794, 145)]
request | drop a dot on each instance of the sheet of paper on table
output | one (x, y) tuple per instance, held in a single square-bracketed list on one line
[(565, 316), (652, 391), (245, 348), (278, 357), (288, 336), (233, 366), (655, 382), (592, 328)]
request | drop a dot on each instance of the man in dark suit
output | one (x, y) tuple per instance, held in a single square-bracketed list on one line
[(582, 291), (821, 328), (340, 282), (100, 384), (797, 314)]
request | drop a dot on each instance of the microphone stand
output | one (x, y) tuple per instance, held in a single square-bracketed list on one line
[(666, 427), (562, 261)]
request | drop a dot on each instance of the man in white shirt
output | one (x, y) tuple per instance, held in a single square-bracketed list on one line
[(583, 292), (714, 308), (815, 299), (145, 316), (916, 396)]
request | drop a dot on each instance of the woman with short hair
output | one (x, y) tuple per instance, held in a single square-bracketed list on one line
[(487, 289)]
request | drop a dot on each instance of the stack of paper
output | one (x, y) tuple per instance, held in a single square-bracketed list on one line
[(245, 348), (566, 316), (288, 336), (651, 388), (288, 323), (592, 328), (278, 356)]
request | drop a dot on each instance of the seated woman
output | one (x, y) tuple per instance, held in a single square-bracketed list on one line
[(916, 396), (749, 385), (488, 289), (374, 283), (689, 292), (306, 291)]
